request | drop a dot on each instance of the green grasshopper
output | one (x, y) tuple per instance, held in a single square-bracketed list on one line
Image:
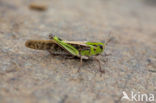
[(57, 46)]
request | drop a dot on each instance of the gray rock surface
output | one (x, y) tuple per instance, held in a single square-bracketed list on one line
[(31, 76)]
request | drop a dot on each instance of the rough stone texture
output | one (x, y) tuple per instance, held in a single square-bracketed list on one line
[(30, 76)]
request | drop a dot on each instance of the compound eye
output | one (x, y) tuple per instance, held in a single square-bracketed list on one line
[(101, 46)]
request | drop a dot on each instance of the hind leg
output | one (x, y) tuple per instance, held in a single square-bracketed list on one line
[(80, 64), (51, 36)]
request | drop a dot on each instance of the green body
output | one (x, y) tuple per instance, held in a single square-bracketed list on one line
[(91, 48), (66, 46), (82, 50)]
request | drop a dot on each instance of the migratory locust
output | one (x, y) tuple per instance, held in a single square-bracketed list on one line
[(79, 49)]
